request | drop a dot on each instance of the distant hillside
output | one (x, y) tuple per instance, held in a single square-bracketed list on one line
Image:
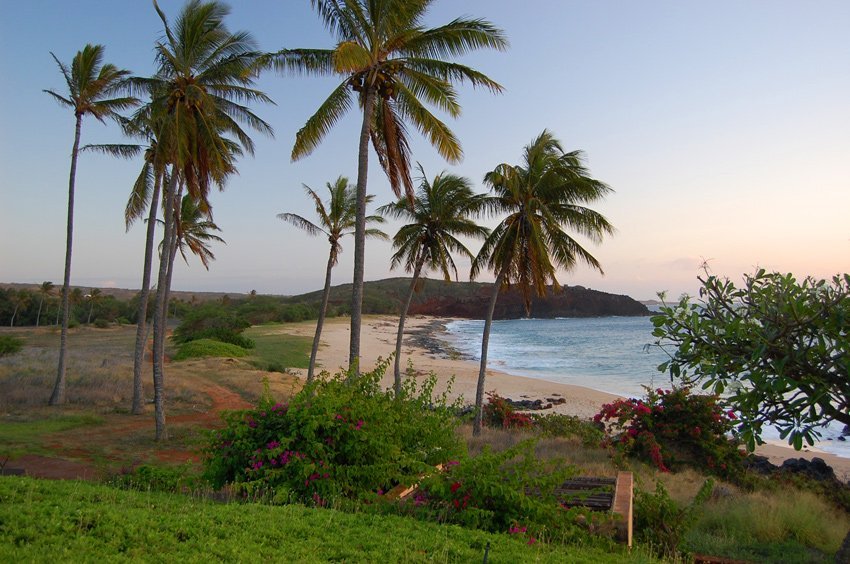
[(470, 300)]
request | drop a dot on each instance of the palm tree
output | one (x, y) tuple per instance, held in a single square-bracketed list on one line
[(336, 219), (204, 74), (542, 197), (440, 214), (90, 84), (46, 290), (392, 64), (93, 297), (21, 299), (195, 232)]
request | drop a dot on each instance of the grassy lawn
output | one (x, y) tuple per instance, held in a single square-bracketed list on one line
[(77, 521), (278, 350), (26, 436)]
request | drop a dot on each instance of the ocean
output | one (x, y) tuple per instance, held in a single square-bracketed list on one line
[(610, 354)]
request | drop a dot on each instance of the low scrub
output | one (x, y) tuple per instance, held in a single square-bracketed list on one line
[(9, 345), (203, 348)]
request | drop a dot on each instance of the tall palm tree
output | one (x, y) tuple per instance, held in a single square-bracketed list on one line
[(336, 220), (205, 73), (441, 213), (21, 299), (93, 297), (392, 64), (91, 83), (45, 290), (543, 197)]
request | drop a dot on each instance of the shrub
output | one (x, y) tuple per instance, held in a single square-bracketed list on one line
[(499, 413), (10, 345), (213, 321), (208, 347), (560, 425), (661, 523), (101, 323), (340, 436), (673, 428)]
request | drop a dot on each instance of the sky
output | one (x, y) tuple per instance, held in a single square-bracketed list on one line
[(723, 128)]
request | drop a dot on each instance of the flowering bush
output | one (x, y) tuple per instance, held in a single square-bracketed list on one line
[(672, 428), (499, 413), (339, 436)]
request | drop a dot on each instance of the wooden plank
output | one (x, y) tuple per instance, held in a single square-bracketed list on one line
[(623, 506)]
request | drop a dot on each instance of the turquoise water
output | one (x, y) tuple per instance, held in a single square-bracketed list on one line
[(610, 354)]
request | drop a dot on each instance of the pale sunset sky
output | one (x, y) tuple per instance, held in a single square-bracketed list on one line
[(723, 127)]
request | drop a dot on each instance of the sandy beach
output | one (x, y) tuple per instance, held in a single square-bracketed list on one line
[(378, 340)]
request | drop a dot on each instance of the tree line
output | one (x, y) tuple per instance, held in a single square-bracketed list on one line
[(192, 119)]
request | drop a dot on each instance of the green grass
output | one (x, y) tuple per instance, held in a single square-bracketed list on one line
[(77, 521), (19, 437), (277, 351), (208, 347)]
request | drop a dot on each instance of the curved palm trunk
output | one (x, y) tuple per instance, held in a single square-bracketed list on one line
[(360, 233), (320, 323), (91, 309), (159, 314), (485, 342), (141, 327), (38, 315), (400, 335), (58, 395)]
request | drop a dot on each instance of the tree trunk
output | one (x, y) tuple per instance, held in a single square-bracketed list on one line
[(14, 313), (485, 342), (141, 327), (360, 232), (397, 367), (91, 309), (58, 395), (159, 313), (38, 315), (321, 321)]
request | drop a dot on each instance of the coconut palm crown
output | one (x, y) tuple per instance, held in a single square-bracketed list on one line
[(441, 212), (543, 198), (394, 66)]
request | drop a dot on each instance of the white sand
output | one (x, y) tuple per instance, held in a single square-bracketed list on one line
[(378, 337)]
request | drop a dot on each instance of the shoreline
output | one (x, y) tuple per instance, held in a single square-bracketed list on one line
[(428, 353)]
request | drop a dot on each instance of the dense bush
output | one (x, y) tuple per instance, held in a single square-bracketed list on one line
[(672, 428), (213, 321), (9, 345), (208, 347), (340, 436), (498, 412)]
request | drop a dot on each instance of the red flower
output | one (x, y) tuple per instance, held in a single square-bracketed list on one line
[(455, 487)]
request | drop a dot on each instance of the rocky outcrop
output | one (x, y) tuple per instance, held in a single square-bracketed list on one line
[(568, 301)]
